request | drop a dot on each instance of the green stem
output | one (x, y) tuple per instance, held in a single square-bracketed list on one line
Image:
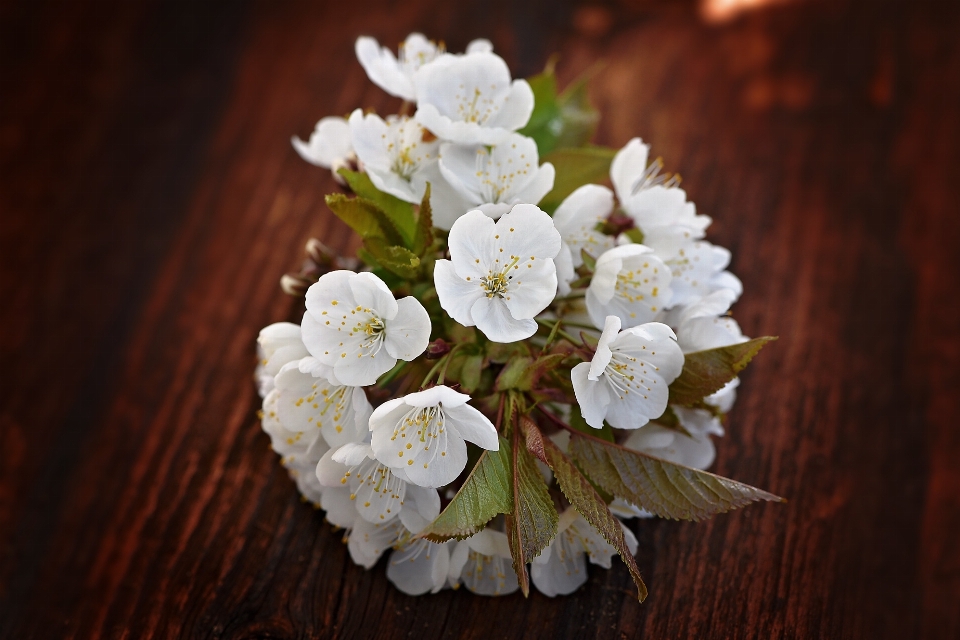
[(391, 375), (561, 332), (447, 358), (435, 368)]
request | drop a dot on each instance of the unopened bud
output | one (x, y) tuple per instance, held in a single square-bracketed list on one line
[(319, 252), (293, 284), (437, 349)]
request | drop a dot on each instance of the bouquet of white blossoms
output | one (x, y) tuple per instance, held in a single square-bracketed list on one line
[(517, 360)]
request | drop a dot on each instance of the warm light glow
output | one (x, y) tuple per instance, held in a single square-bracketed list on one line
[(723, 10)]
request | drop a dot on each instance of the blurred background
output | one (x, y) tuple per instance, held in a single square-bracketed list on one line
[(150, 200)]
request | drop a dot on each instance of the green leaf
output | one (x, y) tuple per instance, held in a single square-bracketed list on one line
[(399, 213), (564, 120), (364, 217), (575, 168), (635, 235), (523, 373), (395, 259), (705, 372), (470, 373), (591, 506), (589, 261), (667, 489), (545, 122), (486, 492), (511, 375), (578, 423), (501, 353), (423, 235), (533, 523), (577, 116)]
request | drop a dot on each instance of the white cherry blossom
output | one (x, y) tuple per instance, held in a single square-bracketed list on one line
[(299, 452), (695, 451), (629, 282), (367, 541), (653, 200), (420, 567), (703, 325), (379, 493), (397, 154), (423, 433), (330, 145), (698, 268), (627, 382), (500, 274), (483, 564), (277, 344), (561, 568), (354, 324), (576, 219), (471, 99), (493, 179), (394, 74)]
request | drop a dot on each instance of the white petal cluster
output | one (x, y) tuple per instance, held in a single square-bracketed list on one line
[(423, 435), (500, 274), (471, 99), (330, 145), (354, 325), (631, 283), (395, 74), (482, 563), (491, 179), (627, 382), (398, 154), (577, 219), (627, 268), (561, 568)]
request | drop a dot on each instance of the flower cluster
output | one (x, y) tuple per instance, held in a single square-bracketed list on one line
[(521, 359)]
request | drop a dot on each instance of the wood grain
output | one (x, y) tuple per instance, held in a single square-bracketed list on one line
[(150, 200)]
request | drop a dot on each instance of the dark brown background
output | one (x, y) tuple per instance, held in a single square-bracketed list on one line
[(150, 200)]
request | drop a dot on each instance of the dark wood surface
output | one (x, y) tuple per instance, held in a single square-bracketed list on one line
[(150, 200)]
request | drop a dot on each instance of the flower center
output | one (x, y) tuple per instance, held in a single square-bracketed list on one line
[(628, 284), (496, 284), (372, 328), (427, 422), (621, 375), (473, 106)]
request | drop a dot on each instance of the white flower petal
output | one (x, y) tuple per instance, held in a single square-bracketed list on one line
[(517, 107), (611, 329), (480, 45), (627, 166), (564, 572), (592, 396), (370, 291), (408, 332), (368, 541), (473, 427), (457, 296), (330, 143), (493, 318), (472, 244), (420, 567), (340, 511), (383, 69)]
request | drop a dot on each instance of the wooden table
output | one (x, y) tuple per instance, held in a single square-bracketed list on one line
[(150, 200)]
